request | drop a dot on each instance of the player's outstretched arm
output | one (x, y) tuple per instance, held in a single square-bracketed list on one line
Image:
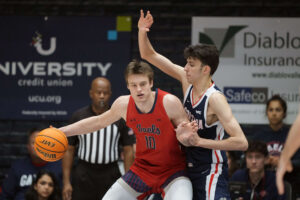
[(290, 147), (148, 53), (88, 125)]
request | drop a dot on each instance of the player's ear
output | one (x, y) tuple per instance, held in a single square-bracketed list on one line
[(151, 83), (207, 69)]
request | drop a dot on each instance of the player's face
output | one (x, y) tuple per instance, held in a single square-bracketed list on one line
[(193, 70), (139, 86), (44, 186), (255, 162), (275, 113), (100, 94)]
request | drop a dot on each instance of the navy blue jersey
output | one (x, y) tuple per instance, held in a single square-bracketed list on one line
[(207, 168), (198, 155)]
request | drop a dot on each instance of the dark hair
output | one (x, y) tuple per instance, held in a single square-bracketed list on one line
[(33, 130), (282, 102), (234, 164), (138, 67), (208, 54), (257, 146), (32, 194)]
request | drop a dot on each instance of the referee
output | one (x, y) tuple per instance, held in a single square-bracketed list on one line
[(98, 152)]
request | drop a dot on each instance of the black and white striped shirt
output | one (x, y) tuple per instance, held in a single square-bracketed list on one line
[(102, 146)]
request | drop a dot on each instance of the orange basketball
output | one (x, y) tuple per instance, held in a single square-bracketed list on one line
[(51, 144)]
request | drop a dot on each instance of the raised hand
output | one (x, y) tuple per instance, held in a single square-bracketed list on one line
[(145, 22)]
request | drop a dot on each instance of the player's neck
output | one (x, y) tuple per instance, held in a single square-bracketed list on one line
[(146, 106), (201, 86)]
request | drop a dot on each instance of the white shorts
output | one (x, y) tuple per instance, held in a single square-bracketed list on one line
[(178, 189)]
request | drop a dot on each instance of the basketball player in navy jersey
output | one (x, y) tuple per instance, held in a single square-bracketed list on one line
[(205, 104)]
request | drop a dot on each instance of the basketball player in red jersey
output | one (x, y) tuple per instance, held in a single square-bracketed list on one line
[(159, 166)]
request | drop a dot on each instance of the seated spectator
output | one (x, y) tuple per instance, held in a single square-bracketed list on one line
[(275, 134), (23, 171), (260, 183), (44, 187)]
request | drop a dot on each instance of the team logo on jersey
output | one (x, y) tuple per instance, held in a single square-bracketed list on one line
[(198, 112), (193, 118), (153, 129)]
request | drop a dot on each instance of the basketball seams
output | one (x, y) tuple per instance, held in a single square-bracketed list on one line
[(53, 139), (50, 150)]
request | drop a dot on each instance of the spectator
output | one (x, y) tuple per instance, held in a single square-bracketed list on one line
[(98, 151), (260, 183), (275, 134), (23, 171), (44, 187)]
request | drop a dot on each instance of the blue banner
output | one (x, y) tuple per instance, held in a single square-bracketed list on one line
[(47, 63)]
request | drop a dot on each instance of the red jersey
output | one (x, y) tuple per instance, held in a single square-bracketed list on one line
[(158, 153)]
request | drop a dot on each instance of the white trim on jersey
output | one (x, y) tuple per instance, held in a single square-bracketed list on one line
[(215, 168), (186, 93)]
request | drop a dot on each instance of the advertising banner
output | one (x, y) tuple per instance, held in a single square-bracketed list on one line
[(47, 63), (259, 57)]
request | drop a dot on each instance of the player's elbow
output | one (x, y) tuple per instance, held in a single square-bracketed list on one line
[(145, 55), (243, 145)]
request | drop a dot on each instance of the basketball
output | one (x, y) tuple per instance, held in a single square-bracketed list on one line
[(51, 144)]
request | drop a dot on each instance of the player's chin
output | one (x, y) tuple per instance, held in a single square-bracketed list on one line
[(189, 80)]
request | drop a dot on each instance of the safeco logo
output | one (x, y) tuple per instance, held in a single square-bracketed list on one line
[(246, 95)]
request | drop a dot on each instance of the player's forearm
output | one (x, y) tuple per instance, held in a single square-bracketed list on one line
[(145, 47), (164, 64), (82, 127), (229, 144), (128, 157)]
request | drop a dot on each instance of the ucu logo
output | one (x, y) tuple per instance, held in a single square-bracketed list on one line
[(37, 43)]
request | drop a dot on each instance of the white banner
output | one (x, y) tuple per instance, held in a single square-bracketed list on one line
[(259, 57)]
